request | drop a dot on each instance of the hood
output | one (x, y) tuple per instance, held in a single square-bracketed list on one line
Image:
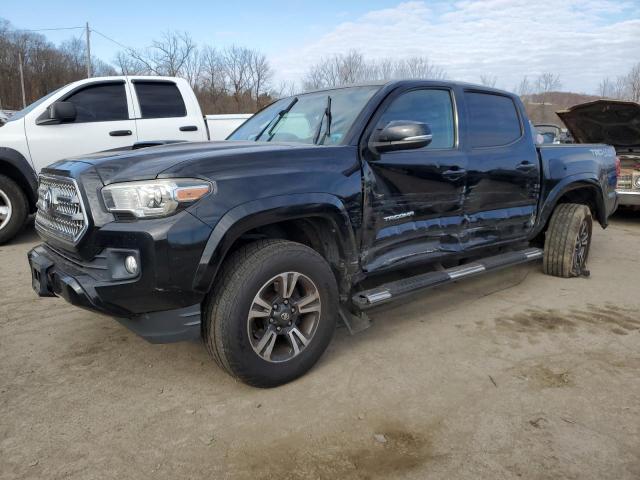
[(147, 163), (613, 122)]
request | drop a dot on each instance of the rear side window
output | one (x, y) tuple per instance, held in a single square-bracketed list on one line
[(432, 107), (100, 103), (159, 100), (493, 120)]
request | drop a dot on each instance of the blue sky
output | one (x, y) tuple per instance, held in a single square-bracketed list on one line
[(582, 41), (270, 26)]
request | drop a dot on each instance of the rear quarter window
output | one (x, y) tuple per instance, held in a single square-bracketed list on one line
[(493, 120)]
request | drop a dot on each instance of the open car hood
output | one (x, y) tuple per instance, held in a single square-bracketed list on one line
[(613, 122)]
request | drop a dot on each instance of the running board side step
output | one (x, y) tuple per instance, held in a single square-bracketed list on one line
[(393, 290)]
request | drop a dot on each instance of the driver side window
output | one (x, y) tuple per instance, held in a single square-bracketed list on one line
[(100, 103), (430, 106)]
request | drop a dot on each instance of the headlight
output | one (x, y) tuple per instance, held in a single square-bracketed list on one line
[(636, 181), (154, 198)]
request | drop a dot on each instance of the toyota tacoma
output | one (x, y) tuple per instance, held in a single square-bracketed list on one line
[(308, 214)]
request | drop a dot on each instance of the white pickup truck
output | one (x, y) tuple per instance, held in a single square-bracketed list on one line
[(93, 115)]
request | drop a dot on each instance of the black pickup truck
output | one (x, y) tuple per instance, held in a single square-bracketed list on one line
[(307, 214)]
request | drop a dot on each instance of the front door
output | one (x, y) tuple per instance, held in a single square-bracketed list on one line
[(413, 205), (102, 123)]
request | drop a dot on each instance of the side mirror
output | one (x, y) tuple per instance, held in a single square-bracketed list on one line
[(58, 112), (401, 135)]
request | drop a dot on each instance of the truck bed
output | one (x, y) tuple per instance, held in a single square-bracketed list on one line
[(566, 163)]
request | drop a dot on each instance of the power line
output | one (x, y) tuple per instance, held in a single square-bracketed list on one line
[(45, 29), (111, 39)]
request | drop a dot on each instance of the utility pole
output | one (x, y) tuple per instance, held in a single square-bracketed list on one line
[(24, 97), (88, 52)]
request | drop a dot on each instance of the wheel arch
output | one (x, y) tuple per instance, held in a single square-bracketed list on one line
[(15, 166), (318, 220), (583, 190)]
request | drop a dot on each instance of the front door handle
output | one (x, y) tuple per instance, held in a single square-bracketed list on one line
[(188, 128), (454, 172), (526, 166), (120, 133)]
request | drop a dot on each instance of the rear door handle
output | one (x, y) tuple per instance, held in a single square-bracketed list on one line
[(120, 133), (188, 128), (526, 166)]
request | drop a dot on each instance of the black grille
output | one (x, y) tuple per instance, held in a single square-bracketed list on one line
[(61, 212)]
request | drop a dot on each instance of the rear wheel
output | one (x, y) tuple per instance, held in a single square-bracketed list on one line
[(273, 312), (567, 241), (13, 209)]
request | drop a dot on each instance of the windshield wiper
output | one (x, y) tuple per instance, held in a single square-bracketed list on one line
[(277, 119), (327, 132)]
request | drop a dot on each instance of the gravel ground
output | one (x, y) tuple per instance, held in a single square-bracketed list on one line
[(513, 375)]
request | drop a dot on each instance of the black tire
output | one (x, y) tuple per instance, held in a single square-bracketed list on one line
[(226, 326), (568, 240), (12, 194)]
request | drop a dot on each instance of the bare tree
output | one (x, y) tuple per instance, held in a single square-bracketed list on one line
[(353, 68), (285, 89), (260, 75), (168, 56), (127, 65), (632, 81), (605, 87), (524, 88), (488, 80), (213, 85), (236, 63), (339, 69), (417, 67), (619, 87), (547, 82)]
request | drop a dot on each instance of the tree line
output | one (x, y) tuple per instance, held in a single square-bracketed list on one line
[(236, 78), (46, 67)]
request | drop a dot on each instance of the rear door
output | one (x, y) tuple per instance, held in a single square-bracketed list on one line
[(503, 174), (414, 198), (103, 121), (162, 112)]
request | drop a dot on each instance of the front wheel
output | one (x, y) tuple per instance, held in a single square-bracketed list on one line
[(568, 240), (272, 313), (14, 209)]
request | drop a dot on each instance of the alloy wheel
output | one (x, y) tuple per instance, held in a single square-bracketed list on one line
[(284, 317), (5, 210), (581, 251)]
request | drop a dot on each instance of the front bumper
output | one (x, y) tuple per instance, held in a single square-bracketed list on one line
[(628, 198), (54, 275)]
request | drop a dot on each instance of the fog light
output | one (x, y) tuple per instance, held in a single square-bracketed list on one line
[(131, 264)]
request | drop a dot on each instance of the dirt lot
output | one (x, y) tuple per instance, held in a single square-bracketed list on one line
[(507, 376)]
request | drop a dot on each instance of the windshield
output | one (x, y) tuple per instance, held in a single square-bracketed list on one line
[(300, 124), (18, 115)]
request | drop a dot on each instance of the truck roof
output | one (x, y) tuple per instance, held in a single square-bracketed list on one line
[(125, 77), (390, 84)]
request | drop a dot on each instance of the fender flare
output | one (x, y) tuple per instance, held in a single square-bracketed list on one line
[(572, 182), (20, 170), (266, 211)]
